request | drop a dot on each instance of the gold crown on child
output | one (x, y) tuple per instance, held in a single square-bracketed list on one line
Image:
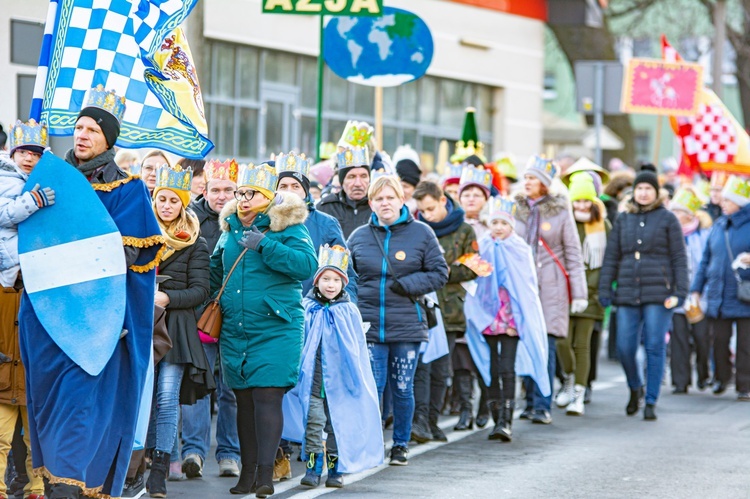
[(334, 256)]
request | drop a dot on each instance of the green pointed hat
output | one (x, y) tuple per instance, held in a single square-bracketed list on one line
[(469, 143)]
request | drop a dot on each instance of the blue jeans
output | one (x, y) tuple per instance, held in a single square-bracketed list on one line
[(396, 363), (653, 321), (196, 419), (534, 397), (166, 412)]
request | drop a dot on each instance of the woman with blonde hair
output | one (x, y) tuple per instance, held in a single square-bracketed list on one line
[(150, 163), (398, 259)]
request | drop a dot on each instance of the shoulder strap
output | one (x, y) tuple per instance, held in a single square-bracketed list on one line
[(382, 250), (731, 255), (554, 257), (226, 279)]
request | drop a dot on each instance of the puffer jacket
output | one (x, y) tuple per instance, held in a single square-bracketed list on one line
[(324, 229), (715, 277), (557, 227), (416, 257), (350, 214), (646, 256), (15, 207)]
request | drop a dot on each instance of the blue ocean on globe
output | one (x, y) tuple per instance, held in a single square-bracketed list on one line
[(384, 51)]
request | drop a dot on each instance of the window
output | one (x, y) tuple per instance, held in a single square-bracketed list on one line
[(25, 92), (642, 145), (550, 86), (239, 80), (25, 42)]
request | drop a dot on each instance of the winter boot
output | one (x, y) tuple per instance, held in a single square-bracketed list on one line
[(246, 483), (437, 434), (314, 470), (635, 401), (465, 419), (134, 486), (420, 430), (565, 395), (157, 479), (335, 479), (494, 410), (65, 491), (575, 408), (502, 429), (483, 413), (264, 481)]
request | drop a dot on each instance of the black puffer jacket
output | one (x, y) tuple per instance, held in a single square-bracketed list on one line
[(187, 288), (350, 214), (209, 220), (415, 255), (646, 256)]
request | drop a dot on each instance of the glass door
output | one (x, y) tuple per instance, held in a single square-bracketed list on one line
[(278, 127)]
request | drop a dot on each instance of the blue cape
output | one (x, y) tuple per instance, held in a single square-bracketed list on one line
[(436, 345), (514, 270), (349, 384)]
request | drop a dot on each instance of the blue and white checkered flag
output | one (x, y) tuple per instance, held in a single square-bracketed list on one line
[(135, 48)]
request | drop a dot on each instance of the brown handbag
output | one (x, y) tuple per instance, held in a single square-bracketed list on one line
[(210, 320), (162, 341)]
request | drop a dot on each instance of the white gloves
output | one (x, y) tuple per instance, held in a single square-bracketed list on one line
[(741, 262), (578, 306)]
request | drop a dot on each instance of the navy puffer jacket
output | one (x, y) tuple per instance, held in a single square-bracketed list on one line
[(415, 255), (715, 277), (646, 256)]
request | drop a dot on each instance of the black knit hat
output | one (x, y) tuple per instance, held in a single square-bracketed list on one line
[(304, 181), (647, 175), (106, 121), (408, 171)]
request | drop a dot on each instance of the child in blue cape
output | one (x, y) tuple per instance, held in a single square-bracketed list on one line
[(336, 391), (505, 311)]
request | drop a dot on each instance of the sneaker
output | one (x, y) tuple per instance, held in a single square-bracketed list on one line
[(565, 395), (649, 413), (134, 487), (192, 466), (227, 467), (587, 395), (398, 456), (541, 417), (575, 408), (175, 472), (282, 467), (526, 413), (743, 396)]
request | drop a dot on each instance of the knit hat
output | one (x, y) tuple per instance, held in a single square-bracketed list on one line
[(737, 190), (582, 187), (408, 171), (334, 258), (647, 175), (542, 168), (107, 109)]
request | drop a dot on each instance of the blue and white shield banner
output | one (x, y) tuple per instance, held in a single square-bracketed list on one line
[(134, 47), (73, 266)]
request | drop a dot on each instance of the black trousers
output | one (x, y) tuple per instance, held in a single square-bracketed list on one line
[(260, 421), (596, 341), (682, 332), (722, 332), (431, 383), (502, 367)]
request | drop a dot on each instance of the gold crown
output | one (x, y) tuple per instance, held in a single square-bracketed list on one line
[(498, 207), (174, 177), (261, 178), (334, 256), (356, 134), (466, 149), (687, 200), (292, 162), (352, 157), (472, 175), (106, 100), (221, 170), (29, 134), (737, 186)]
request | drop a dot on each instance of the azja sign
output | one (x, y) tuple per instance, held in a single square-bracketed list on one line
[(325, 7)]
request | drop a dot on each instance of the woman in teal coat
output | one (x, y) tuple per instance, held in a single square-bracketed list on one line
[(263, 319)]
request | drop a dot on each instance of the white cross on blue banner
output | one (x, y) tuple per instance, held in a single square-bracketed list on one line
[(134, 47)]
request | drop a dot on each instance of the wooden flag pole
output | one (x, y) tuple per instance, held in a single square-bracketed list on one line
[(379, 116)]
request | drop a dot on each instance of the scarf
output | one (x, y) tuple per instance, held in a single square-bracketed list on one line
[(691, 227), (88, 168), (532, 233), (180, 233), (595, 242), (450, 223)]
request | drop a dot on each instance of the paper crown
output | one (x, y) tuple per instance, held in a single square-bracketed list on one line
[(469, 143), (30, 133), (334, 256), (687, 200), (107, 100), (174, 178), (474, 176), (221, 170), (737, 190), (262, 178), (544, 166), (356, 134), (454, 172), (374, 175), (498, 205), (703, 188), (355, 156), (295, 163), (505, 166), (327, 150)]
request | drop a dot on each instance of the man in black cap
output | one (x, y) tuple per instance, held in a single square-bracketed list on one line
[(350, 206)]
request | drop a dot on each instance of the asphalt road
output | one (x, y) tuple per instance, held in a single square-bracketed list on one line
[(699, 447)]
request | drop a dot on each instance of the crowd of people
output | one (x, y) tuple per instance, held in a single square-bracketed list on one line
[(357, 293)]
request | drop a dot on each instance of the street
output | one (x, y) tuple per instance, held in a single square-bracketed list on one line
[(697, 448)]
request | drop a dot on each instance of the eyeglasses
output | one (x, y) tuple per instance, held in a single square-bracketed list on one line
[(247, 195), (25, 152)]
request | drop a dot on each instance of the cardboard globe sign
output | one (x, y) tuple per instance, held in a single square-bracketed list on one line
[(384, 51)]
